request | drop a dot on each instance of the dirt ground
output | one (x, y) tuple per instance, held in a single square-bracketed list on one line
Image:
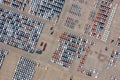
[(51, 71)]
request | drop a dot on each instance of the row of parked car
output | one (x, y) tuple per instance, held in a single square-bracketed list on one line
[(75, 10), (118, 42), (18, 4), (114, 58), (70, 46), (101, 19), (46, 9), (70, 22), (25, 69), (2, 56), (81, 1), (81, 67), (19, 30), (107, 28)]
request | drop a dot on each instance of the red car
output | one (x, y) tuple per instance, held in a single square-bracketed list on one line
[(44, 46), (41, 44)]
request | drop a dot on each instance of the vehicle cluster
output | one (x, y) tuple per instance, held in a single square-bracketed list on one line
[(70, 46), (46, 9), (3, 53), (25, 69)]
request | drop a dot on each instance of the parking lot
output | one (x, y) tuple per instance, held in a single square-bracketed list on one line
[(19, 31), (46, 9), (3, 53), (44, 67), (25, 69)]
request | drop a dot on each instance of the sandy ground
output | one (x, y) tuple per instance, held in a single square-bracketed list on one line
[(51, 71)]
